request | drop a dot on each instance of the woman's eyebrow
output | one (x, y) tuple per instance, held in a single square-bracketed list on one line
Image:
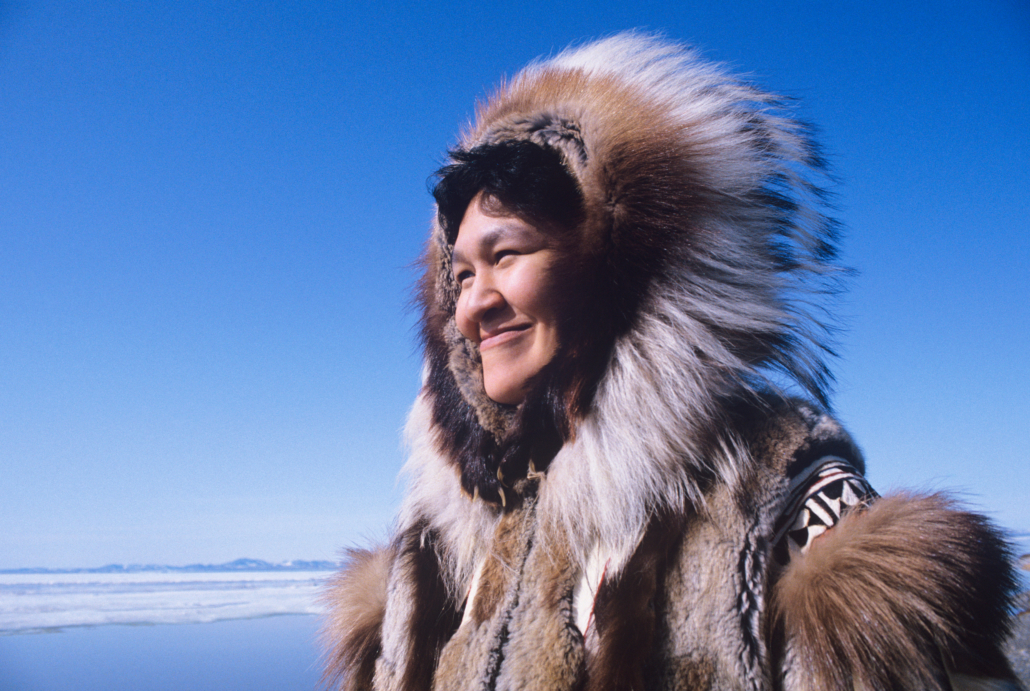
[(489, 238)]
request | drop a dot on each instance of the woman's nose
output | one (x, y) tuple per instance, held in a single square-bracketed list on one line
[(483, 297), (478, 302)]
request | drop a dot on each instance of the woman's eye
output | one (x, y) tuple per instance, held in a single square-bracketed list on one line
[(463, 276), (501, 254)]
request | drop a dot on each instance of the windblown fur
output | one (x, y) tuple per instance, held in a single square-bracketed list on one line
[(936, 582), (657, 446), (356, 599), (703, 228)]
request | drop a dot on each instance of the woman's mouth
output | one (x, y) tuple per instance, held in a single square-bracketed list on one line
[(501, 336)]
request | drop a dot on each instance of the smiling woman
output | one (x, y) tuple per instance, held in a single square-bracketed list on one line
[(612, 486)]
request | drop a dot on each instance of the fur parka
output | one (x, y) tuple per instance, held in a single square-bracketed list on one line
[(663, 511)]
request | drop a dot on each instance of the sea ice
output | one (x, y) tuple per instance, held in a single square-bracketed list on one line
[(35, 602)]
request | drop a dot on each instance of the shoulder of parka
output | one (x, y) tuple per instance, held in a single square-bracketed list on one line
[(355, 599)]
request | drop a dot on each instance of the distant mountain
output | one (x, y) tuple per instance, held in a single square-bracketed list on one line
[(237, 565)]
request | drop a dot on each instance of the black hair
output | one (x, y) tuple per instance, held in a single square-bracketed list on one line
[(530, 180)]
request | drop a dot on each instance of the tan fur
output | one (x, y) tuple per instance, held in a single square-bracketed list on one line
[(468, 659), (356, 600), (544, 649), (892, 596), (499, 567)]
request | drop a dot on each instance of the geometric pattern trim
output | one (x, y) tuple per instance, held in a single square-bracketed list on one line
[(816, 500)]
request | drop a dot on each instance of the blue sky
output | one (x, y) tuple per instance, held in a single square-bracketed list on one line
[(209, 214)]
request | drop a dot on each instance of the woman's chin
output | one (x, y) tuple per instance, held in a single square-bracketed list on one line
[(505, 394)]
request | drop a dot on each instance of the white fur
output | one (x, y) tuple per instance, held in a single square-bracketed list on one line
[(638, 451), (434, 493)]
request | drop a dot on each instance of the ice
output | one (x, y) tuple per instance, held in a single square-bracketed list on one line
[(37, 602)]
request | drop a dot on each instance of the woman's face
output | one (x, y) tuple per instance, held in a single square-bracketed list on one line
[(508, 302)]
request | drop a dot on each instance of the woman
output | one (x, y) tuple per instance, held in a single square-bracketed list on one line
[(610, 487)]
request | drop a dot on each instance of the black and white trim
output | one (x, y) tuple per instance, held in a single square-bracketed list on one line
[(817, 498)]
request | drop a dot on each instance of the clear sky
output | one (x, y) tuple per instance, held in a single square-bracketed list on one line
[(209, 213)]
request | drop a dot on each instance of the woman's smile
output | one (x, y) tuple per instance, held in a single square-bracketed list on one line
[(502, 336)]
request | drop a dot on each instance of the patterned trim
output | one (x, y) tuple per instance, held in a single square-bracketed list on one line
[(816, 500)]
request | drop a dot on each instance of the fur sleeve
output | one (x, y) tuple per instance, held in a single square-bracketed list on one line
[(352, 634), (911, 593)]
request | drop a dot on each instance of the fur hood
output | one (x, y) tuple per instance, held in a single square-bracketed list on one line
[(706, 243)]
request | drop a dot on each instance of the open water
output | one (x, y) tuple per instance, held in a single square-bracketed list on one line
[(279, 653)]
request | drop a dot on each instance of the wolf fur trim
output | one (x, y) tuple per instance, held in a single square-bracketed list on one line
[(704, 240), (356, 601), (893, 596)]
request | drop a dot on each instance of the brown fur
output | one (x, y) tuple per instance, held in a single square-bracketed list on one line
[(500, 567), (625, 614), (435, 616), (688, 673), (544, 649), (356, 600), (895, 595)]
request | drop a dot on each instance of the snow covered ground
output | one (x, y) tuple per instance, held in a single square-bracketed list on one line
[(47, 601)]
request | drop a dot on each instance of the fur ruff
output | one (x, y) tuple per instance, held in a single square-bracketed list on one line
[(703, 228)]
